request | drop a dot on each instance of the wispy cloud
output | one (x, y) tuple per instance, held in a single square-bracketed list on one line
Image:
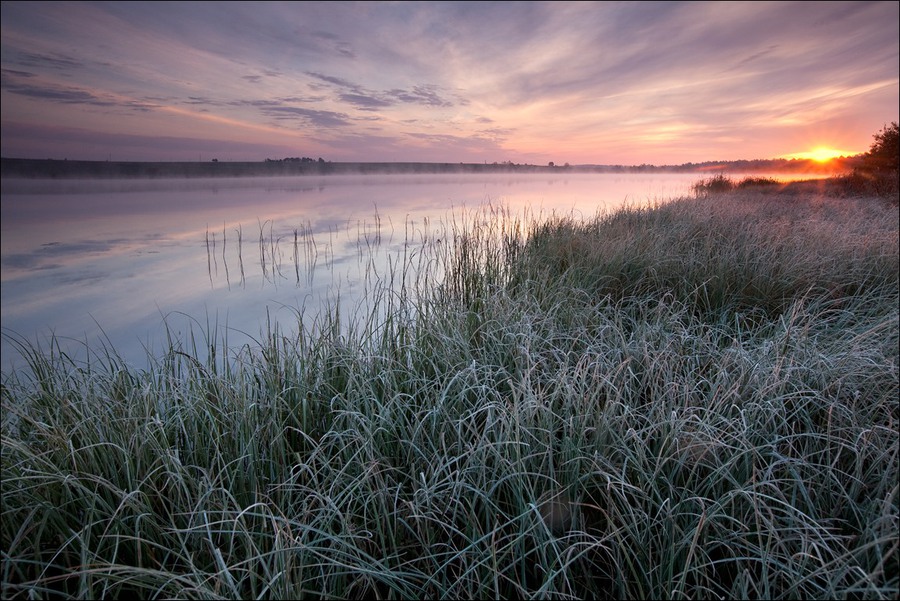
[(16, 83), (315, 118), (53, 61), (41, 141), (366, 99), (426, 95), (365, 102)]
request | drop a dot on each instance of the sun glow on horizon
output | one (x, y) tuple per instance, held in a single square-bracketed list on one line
[(821, 154)]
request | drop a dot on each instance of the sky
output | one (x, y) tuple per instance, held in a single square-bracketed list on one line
[(613, 83)]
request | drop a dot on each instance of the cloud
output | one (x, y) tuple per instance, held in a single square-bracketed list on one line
[(338, 81), (14, 73), (39, 141), (426, 95), (276, 102), (29, 85), (365, 102), (497, 133), (67, 95), (200, 100), (54, 61), (315, 118)]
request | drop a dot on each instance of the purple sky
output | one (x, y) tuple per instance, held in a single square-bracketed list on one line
[(531, 82)]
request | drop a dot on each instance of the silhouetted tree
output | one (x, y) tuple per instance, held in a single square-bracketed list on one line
[(884, 154), (878, 171)]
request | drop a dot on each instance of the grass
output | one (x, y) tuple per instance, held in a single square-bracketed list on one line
[(716, 184), (858, 183), (691, 400)]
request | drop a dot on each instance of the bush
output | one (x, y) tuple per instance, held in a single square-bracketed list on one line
[(879, 169), (752, 182), (884, 154)]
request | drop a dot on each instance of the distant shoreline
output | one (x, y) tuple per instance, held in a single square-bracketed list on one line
[(66, 169)]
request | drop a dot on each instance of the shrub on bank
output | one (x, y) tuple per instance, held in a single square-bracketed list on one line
[(878, 171)]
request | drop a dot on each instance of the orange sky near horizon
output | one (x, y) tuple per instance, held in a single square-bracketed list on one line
[(527, 82), (822, 154)]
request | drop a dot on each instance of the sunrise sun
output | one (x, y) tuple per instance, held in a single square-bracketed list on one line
[(821, 154)]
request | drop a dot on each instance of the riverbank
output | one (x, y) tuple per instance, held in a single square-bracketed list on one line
[(66, 169), (692, 400), (55, 169)]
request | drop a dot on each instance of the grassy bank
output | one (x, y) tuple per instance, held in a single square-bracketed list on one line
[(695, 400)]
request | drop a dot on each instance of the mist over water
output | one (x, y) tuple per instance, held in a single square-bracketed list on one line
[(118, 262)]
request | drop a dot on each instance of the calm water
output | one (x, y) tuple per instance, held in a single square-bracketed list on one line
[(117, 261)]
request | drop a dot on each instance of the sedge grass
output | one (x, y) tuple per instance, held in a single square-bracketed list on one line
[(692, 400)]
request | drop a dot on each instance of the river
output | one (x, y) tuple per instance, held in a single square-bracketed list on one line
[(118, 264)]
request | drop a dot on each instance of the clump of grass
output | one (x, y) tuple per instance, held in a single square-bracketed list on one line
[(720, 183), (755, 182), (696, 399), (713, 185)]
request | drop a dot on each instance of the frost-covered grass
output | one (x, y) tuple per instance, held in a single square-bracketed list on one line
[(693, 400)]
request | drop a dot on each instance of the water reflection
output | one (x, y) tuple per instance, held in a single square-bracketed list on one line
[(115, 260)]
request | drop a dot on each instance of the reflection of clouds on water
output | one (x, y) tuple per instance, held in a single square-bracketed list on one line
[(37, 259), (83, 278), (27, 262), (57, 255)]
